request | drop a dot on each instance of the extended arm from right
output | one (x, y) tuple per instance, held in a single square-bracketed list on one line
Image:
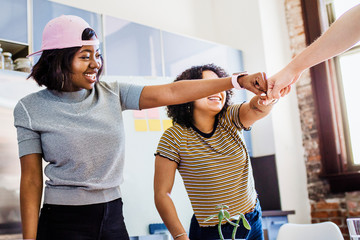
[(341, 35)]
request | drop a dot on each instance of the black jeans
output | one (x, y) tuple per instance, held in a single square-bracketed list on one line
[(211, 233), (103, 221)]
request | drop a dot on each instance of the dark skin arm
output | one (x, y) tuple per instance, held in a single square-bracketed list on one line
[(258, 108), (187, 91), (163, 182), (31, 185)]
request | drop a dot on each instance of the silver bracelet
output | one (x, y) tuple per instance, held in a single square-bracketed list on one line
[(179, 235)]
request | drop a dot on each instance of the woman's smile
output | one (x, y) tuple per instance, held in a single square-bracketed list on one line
[(91, 77), (215, 98)]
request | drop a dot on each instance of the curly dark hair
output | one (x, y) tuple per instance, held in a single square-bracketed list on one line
[(183, 113), (54, 66)]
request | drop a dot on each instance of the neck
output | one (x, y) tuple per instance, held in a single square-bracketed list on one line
[(204, 122)]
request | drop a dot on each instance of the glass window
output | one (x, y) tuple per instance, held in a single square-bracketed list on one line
[(131, 49), (341, 6), (181, 52), (333, 84), (347, 67), (13, 21)]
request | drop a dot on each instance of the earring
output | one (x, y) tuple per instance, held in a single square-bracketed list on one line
[(62, 84)]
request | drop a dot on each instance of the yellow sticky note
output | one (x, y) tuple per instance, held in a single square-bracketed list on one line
[(140, 125), (167, 123), (154, 125)]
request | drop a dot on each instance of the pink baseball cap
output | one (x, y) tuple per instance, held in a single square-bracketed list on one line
[(64, 32)]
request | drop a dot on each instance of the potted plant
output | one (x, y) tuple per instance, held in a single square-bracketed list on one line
[(224, 214)]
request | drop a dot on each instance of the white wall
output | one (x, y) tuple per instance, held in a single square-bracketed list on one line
[(258, 28), (286, 118), (221, 21)]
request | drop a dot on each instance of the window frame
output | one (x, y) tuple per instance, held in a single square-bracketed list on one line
[(332, 132)]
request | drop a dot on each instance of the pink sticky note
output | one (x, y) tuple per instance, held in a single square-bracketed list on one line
[(139, 114), (153, 113)]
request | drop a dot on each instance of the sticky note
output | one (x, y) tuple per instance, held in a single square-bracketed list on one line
[(167, 123), (154, 125), (140, 125), (139, 114), (153, 113)]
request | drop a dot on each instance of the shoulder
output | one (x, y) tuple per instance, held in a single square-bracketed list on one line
[(231, 117), (112, 87), (117, 87), (28, 104), (231, 112), (175, 132), (32, 98), (176, 129), (35, 95), (234, 108)]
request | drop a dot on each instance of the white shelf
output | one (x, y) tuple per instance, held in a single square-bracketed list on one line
[(14, 86)]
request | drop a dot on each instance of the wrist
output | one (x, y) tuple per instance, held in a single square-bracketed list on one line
[(235, 80), (185, 237), (181, 236), (265, 102), (294, 69)]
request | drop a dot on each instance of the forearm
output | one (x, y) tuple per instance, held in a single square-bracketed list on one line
[(167, 211), (30, 200), (340, 36), (182, 91), (253, 111), (189, 90), (259, 110)]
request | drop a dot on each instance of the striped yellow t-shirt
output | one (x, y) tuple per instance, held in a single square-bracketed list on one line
[(215, 169)]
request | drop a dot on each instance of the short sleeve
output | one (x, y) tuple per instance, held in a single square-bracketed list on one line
[(128, 94), (169, 144), (232, 117), (28, 140)]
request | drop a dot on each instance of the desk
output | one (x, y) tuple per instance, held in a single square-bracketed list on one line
[(272, 221)]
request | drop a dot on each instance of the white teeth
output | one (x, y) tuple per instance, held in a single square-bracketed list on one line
[(92, 76), (214, 98)]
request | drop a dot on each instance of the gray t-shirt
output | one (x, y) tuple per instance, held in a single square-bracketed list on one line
[(81, 136)]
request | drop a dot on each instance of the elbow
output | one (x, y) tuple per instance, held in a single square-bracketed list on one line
[(160, 197), (31, 181)]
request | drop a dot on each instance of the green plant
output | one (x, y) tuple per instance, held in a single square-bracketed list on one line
[(224, 214)]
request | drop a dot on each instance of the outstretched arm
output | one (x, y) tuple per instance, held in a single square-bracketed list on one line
[(341, 35), (190, 90)]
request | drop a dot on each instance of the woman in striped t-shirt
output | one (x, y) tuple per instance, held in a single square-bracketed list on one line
[(207, 147)]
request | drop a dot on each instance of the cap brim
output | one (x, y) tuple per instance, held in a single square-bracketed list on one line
[(35, 53), (83, 43)]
